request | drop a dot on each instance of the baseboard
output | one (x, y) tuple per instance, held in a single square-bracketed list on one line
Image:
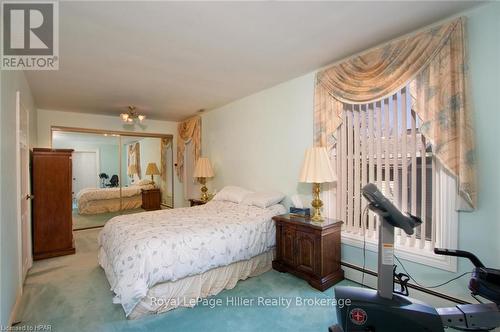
[(369, 279), (14, 314)]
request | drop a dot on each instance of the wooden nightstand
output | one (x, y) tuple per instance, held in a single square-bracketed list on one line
[(195, 202), (308, 250), (151, 199)]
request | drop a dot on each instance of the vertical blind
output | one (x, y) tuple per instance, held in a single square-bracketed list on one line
[(381, 143)]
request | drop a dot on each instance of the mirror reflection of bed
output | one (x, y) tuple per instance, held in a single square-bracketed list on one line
[(115, 174)]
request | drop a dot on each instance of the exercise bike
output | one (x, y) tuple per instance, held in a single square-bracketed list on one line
[(388, 310)]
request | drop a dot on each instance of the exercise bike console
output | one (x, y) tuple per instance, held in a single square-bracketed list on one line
[(386, 210)]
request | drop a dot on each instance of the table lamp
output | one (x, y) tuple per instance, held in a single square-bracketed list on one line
[(202, 171), (317, 169), (152, 170)]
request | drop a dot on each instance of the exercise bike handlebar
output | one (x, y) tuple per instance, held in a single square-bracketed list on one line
[(459, 253), (385, 209)]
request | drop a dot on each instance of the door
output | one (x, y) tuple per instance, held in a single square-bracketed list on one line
[(52, 222), (24, 188), (85, 171), (305, 252)]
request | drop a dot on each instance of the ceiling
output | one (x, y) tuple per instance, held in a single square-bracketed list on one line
[(171, 59)]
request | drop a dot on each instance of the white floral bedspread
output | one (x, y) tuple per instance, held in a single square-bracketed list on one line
[(141, 250)]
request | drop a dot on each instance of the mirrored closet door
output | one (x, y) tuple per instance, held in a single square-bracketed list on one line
[(148, 161), (116, 173)]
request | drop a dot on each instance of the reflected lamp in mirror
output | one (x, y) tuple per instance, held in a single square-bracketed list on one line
[(317, 169), (152, 170), (202, 171)]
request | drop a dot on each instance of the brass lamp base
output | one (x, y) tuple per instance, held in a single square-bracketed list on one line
[(152, 180), (317, 204), (204, 189)]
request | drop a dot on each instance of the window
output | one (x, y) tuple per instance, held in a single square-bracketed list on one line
[(381, 143)]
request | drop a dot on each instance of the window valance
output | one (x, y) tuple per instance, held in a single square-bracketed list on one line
[(188, 130), (434, 64)]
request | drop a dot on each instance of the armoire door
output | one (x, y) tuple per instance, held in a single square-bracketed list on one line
[(52, 218)]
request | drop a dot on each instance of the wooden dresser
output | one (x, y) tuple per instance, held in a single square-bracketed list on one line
[(52, 203), (308, 250), (151, 199)]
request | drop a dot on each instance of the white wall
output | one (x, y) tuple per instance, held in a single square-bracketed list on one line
[(10, 280), (150, 153), (49, 118), (259, 141), (109, 157)]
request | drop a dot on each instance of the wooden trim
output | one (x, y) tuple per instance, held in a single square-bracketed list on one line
[(306, 222), (55, 253), (102, 131), (121, 133), (50, 150), (15, 309), (87, 228)]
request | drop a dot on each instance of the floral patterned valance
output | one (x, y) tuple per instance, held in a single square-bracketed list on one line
[(188, 130), (434, 64)]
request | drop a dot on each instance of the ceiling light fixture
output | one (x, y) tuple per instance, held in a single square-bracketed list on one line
[(132, 116)]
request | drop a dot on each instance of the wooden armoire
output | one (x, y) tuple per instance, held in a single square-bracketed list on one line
[(52, 203)]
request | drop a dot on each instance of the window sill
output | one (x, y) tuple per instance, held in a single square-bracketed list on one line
[(423, 256)]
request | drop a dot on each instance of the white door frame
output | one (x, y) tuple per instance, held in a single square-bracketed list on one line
[(188, 177), (97, 162), (25, 263)]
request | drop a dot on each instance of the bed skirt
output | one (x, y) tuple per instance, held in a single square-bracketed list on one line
[(185, 292), (110, 205)]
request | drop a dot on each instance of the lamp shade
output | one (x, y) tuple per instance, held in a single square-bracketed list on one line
[(152, 169), (317, 167), (203, 168)]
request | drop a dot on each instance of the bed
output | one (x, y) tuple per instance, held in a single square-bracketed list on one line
[(157, 261), (103, 200)]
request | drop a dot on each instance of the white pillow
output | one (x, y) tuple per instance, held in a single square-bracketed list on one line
[(263, 199), (231, 194), (144, 182)]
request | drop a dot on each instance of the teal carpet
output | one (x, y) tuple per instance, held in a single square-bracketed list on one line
[(71, 293), (83, 221)]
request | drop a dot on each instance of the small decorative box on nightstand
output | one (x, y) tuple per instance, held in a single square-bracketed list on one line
[(309, 250), (151, 199), (195, 202)]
